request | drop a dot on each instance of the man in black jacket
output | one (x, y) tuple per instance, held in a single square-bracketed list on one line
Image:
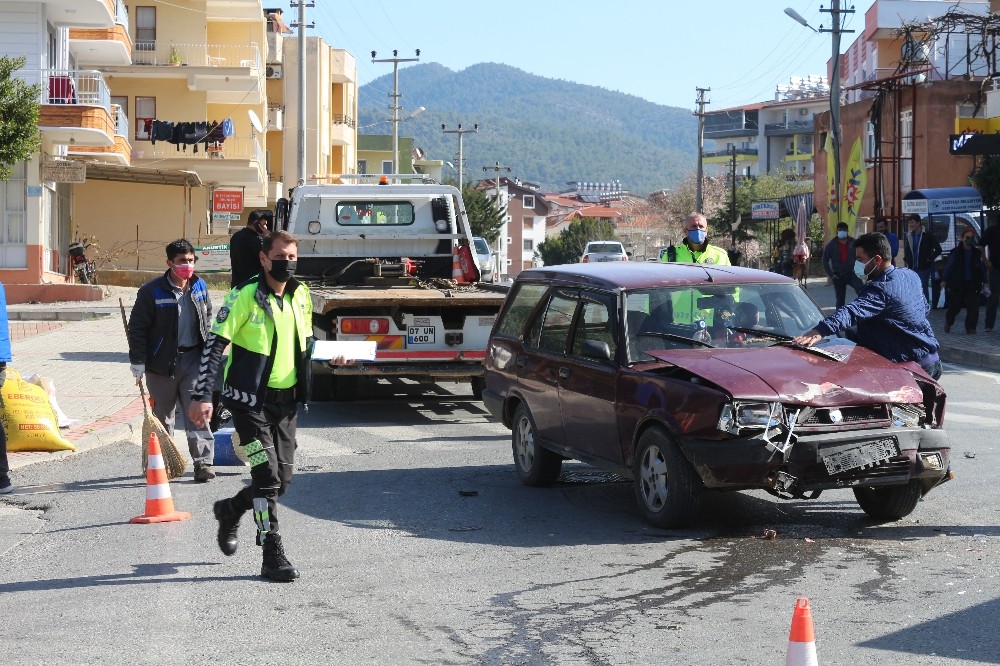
[(966, 279), (246, 244), (919, 252), (170, 322)]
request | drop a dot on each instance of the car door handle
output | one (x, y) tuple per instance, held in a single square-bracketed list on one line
[(564, 372)]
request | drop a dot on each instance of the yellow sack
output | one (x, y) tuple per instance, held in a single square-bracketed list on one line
[(28, 419)]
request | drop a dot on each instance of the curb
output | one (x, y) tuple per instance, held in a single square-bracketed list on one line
[(117, 432), (969, 357), (55, 315)]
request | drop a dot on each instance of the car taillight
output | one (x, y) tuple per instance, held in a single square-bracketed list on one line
[(364, 326)]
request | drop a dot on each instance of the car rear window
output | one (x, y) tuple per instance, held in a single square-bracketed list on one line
[(481, 246), (363, 214), (605, 248), (520, 304)]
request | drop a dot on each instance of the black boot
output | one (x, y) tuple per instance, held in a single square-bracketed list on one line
[(229, 522), (276, 566)]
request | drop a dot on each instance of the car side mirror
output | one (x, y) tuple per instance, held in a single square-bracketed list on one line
[(596, 349)]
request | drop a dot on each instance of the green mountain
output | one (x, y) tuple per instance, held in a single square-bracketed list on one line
[(548, 131)]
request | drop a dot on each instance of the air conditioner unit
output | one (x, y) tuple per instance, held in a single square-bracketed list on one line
[(274, 71)]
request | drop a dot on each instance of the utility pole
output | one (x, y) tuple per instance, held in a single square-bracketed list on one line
[(302, 25), (503, 229), (460, 132), (734, 197), (395, 106), (835, 31), (701, 102)]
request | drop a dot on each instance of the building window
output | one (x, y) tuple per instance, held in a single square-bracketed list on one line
[(509, 240), (145, 114), (386, 166), (527, 264), (906, 149), (528, 245), (362, 166), (510, 262), (528, 223), (145, 35), (14, 207), (121, 101), (528, 201), (869, 140)]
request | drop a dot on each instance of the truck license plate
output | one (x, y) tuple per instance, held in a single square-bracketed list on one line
[(420, 335), (862, 456)]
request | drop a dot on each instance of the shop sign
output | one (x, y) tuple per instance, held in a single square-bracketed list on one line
[(64, 171), (227, 201), (764, 210), (213, 258)]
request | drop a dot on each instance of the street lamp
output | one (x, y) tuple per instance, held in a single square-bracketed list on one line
[(395, 107), (460, 132)]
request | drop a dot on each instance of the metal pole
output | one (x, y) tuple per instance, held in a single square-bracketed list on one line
[(701, 101), (460, 132), (497, 167), (395, 107), (301, 134), (734, 198)]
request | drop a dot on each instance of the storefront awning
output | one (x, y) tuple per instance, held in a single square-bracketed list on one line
[(143, 175)]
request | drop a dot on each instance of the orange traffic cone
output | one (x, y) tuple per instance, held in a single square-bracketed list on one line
[(159, 503), (801, 639), (456, 266)]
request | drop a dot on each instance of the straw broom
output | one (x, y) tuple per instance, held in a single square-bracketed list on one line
[(173, 460)]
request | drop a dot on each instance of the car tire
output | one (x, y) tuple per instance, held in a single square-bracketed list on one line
[(889, 502), (535, 465), (478, 384), (667, 489)]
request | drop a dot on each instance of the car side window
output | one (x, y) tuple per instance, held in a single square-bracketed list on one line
[(595, 322), (521, 303), (550, 332)]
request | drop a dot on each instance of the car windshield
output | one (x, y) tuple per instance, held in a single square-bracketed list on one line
[(481, 246), (683, 317), (606, 248)]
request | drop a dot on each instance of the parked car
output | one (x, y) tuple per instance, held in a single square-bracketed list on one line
[(485, 258), (603, 251), (684, 378)]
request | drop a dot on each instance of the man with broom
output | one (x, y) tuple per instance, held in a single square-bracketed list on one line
[(268, 322), (169, 326)]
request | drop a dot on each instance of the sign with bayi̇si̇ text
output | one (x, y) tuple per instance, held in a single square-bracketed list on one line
[(227, 201)]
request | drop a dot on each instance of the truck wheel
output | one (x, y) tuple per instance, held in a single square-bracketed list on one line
[(667, 488), (322, 387), (345, 388), (889, 502), (478, 384), (535, 465)]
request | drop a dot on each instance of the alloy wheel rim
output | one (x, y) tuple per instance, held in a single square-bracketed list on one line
[(525, 444), (653, 472)]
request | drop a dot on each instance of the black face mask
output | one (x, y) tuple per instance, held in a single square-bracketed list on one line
[(282, 270)]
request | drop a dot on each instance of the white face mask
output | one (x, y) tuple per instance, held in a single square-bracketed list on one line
[(859, 269)]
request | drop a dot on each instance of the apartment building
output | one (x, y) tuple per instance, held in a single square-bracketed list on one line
[(524, 226), (77, 115), (767, 137)]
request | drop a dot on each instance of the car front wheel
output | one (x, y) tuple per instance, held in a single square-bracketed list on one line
[(889, 502), (666, 487), (535, 465)]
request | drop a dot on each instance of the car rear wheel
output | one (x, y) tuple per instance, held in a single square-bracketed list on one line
[(889, 502), (666, 487), (535, 465)]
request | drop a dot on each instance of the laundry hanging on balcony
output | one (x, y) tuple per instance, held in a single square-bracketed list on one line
[(184, 134)]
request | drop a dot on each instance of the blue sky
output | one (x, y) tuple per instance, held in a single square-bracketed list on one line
[(659, 50)]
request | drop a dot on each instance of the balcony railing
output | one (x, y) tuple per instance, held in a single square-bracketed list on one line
[(729, 153), (341, 119), (233, 148), (749, 125), (121, 14), (121, 121), (196, 55), (804, 125), (83, 87)]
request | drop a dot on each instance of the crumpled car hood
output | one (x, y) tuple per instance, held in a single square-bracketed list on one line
[(792, 375)]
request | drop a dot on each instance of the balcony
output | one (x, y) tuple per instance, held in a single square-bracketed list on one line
[(275, 119), (275, 189), (103, 46), (120, 152), (77, 13), (789, 128), (342, 130), (238, 160), (343, 67), (228, 73), (275, 48), (75, 106), (233, 10), (729, 153)]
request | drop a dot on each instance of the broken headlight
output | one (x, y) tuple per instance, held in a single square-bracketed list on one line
[(907, 416), (752, 415)]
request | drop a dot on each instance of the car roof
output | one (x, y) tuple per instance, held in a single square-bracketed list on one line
[(639, 274)]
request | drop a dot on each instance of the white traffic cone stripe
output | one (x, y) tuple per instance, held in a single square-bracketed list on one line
[(155, 461), (161, 491), (801, 654)]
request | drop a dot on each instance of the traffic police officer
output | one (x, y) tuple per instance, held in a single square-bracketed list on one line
[(695, 248), (268, 321)]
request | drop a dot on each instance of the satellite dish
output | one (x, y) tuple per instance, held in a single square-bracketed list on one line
[(418, 153), (255, 121)]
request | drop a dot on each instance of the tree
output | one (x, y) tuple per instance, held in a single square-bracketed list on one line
[(986, 179), (19, 136), (567, 247), (485, 216)]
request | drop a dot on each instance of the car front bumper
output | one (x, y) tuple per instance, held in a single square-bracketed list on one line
[(922, 454)]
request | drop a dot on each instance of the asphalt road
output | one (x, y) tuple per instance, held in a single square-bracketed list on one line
[(418, 545)]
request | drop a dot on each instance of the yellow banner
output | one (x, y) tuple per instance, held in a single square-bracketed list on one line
[(832, 196), (856, 179)]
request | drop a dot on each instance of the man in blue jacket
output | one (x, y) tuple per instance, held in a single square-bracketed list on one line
[(5, 485), (170, 322), (889, 312)]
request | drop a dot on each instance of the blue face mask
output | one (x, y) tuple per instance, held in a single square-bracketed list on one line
[(841, 234), (860, 269), (697, 236)]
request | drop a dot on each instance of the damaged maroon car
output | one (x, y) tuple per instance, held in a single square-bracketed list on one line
[(685, 379)]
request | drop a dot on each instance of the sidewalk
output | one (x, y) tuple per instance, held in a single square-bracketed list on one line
[(81, 346)]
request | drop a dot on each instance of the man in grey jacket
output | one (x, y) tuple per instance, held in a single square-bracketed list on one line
[(838, 262)]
